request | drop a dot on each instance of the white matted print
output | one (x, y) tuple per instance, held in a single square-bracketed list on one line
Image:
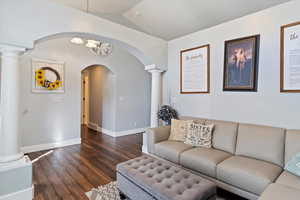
[(194, 70), (48, 76), (290, 58)]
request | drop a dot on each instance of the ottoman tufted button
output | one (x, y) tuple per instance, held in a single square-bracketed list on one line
[(178, 181), (179, 193), (189, 186), (186, 176), (158, 180), (150, 175)]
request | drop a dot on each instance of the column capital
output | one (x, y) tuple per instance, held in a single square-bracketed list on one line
[(11, 50), (153, 69)]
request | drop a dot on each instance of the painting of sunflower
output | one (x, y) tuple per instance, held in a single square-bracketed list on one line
[(48, 76)]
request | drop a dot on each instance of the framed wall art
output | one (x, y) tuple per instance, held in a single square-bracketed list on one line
[(290, 58), (48, 76), (241, 64), (195, 70)]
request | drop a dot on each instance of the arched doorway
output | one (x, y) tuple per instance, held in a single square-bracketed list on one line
[(129, 110), (97, 97)]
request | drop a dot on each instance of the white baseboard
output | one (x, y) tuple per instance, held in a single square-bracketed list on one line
[(26, 194), (40, 147), (95, 127)]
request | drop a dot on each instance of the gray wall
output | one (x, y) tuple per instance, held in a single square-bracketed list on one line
[(267, 106), (48, 118)]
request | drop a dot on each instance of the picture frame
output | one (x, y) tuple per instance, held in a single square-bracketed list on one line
[(241, 61), (48, 76), (290, 58), (195, 70)]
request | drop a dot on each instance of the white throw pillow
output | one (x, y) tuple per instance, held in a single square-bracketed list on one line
[(199, 135), (179, 129)]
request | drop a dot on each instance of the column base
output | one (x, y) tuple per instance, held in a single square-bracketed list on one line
[(19, 176), (12, 158)]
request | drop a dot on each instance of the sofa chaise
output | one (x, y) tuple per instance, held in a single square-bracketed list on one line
[(246, 159)]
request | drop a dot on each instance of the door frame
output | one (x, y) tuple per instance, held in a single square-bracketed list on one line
[(84, 99)]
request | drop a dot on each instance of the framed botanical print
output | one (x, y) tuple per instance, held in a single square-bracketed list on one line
[(241, 64), (194, 70), (290, 58), (48, 76)]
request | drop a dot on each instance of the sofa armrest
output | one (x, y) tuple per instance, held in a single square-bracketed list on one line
[(156, 135)]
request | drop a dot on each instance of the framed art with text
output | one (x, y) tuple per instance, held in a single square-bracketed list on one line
[(241, 64), (194, 70), (290, 58)]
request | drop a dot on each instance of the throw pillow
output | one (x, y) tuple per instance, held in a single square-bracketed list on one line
[(293, 166), (199, 135), (179, 129)]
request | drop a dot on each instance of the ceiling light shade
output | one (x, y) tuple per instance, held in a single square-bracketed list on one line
[(77, 40), (92, 43)]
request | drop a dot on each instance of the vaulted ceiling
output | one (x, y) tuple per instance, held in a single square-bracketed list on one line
[(169, 19)]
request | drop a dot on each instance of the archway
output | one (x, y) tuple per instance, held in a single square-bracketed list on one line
[(98, 84), (130, 108)]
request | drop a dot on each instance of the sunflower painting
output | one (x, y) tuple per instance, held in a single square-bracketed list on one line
[(47, 76)]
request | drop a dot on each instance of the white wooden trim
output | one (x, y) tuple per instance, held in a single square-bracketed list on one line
[(26, 194), (40, 147), (95, 127)]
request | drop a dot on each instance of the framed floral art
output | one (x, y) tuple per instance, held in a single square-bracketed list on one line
[(48, 76)]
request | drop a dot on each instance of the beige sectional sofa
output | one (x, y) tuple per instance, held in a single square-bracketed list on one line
[(246, 159)]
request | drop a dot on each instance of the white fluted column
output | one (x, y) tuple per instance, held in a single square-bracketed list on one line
[(9, 113)]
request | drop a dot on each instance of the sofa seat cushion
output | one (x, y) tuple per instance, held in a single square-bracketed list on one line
[(170, 150), (203, 160), (288, 179), (277, 191), (247, 173)]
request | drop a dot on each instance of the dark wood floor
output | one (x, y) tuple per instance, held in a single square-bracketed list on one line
[(71, 171)]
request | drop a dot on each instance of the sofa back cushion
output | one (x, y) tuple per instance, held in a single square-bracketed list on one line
[(292, 144), (195, 119), (224, 135), (261, 142)]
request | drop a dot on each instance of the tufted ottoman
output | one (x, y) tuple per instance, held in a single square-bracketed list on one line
[(147, 178)]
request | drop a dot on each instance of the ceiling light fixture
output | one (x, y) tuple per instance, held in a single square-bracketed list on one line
[(92, 43), (77, 40), (95, 46)]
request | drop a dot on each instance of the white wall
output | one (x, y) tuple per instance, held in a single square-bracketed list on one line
[(49, 118), (23, 22), (267, 106)]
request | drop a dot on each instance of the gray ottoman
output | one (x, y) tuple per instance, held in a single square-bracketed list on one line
[(147, 178)]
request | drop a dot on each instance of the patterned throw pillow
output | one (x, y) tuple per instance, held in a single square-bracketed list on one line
[(293, 166), (199, 135), (179, 129)]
